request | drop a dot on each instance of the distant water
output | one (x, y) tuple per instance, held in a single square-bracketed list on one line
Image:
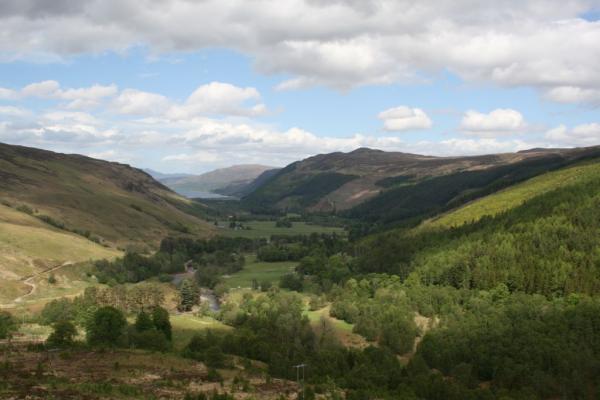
[(202, 195)]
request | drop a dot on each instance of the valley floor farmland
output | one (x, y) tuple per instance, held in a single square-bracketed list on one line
[(264, 229)]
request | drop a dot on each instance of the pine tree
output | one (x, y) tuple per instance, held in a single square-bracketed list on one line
[(189, 295)]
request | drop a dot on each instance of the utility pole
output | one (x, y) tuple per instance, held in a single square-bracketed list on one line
[(300, 378)]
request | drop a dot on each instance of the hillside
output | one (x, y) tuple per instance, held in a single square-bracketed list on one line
[(110, 203), (29, 246), (228, 181), (538, 237), (386, 186)]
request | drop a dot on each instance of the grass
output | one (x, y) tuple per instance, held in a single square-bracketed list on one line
[(514, 196), (261, 271), (265, 229), (338, 324), (29, 246), (185, 326)]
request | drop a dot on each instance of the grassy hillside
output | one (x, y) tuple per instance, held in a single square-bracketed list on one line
[(29, 247), (111, 203)]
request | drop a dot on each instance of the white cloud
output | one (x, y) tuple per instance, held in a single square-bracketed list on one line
[(137, 102), (580, 135), (41, 89), (404, 118), (339, 43), (573, 94), (218, 98), (80, 98), (14, 111), (498, 122), (7, 94)]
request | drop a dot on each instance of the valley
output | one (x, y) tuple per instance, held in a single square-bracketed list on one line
[(114, 286)]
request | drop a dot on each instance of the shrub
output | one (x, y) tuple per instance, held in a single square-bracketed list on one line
[(106, 327), (7, 324), (63, 335)]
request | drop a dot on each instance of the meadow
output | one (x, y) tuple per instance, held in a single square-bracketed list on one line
[(259, 271)]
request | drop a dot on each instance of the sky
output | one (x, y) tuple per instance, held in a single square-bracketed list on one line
[(189, 86)]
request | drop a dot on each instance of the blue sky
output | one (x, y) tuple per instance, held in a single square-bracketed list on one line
[(257, 85)]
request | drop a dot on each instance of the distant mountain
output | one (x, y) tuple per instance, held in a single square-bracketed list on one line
[(112, 203), (159, 175), (392, 186), (230, 181)]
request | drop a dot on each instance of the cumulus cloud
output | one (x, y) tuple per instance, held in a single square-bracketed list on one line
[(215, 98), (218, 98), (339, 43), (497, 122), (78, 98), (137, 102), (574, 94), (580, 135), (404, 118)]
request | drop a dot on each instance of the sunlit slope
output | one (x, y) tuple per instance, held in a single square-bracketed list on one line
[(111, 202), (28, 246), (516, 195)]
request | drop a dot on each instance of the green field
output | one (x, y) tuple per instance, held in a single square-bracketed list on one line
[(185, 326), (515, 195), (261, 271), (264, 229)]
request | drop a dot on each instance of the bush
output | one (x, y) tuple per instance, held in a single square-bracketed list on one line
[(161, 321), (106, 327), (63, 335), (291, 281), (57, 310), (7, 324), (150, 340), (214, 357)]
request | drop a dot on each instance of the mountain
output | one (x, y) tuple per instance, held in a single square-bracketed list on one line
[(160, 175), (391, 186), (110, 203), (228, 181)]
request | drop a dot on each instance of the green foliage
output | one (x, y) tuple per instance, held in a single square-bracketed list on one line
[(58, 310), (291, 281), (547, 245), (63, 335), (106, 327), (211, 257), (283, 223), (160, 319), (143, 322), (521, 341), (8, 324), (381, 311), (189, 295)]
